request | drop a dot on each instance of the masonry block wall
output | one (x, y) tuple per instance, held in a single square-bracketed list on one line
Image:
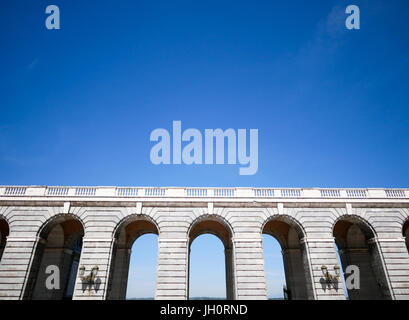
[(370, 234)]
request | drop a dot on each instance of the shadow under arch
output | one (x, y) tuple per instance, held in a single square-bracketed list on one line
[(357, 245), (127, 231), (219, 227), (59, 245), (51, 222), (289, 234), (4, 233), (405, 232)]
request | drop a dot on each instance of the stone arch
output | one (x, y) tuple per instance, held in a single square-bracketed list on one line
[(289, 233), (59, 237), (291, 223), (221, 228), (211, 224), (135, 226), (57, 219), (342, 223), (126, 232), (356, 240), (4, 233)]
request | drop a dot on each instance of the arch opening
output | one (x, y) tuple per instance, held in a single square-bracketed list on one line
[(4, 233), (405, 231), (217, 227), (356, 246), (142, 271), (129, 237), (60, 245), (274, 268), (207, 280), (289, 236)]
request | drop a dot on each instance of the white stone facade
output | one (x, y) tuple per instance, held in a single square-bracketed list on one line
[(39, 226)]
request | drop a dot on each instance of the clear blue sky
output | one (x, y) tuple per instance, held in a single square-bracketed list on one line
[(77, 105)]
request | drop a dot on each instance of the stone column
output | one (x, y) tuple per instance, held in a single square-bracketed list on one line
[(249, 271), (394, 257), (15, 267), (294, 273), (2, 245), (119, 274), (172, 276), (316, 253), (229, 263), (372, 280), (95, 252), (70, 267)]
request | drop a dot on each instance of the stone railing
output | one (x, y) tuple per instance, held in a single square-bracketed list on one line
[(180, 192)]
